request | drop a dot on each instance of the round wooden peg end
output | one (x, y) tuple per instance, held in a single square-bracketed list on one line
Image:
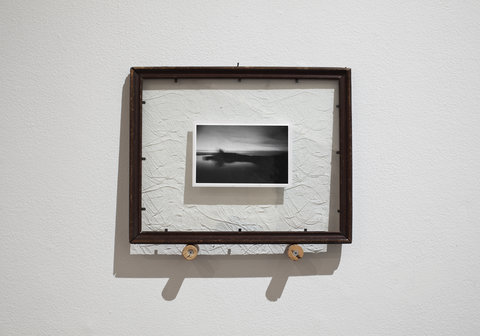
[(295, 252), (190, 252)]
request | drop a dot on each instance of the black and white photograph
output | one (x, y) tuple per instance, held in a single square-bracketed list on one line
[(241, 155)]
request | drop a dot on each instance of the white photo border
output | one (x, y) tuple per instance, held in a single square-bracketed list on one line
[(240, 185)]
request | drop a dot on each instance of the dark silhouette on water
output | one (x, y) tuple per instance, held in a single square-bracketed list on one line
[(268, 168)]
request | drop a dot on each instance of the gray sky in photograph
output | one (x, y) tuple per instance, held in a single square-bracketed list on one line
[(230, 138)]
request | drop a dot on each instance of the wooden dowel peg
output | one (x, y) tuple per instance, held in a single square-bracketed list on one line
[(190, 252), (295, 252)]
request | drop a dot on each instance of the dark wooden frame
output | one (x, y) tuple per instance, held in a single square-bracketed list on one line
[(344, 235)]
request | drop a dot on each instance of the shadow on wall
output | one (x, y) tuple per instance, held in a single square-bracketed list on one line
[(176, 268)]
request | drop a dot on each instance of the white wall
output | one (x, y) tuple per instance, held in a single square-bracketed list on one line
[(413, 266)]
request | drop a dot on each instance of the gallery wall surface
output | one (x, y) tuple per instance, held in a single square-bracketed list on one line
[(65, 262)]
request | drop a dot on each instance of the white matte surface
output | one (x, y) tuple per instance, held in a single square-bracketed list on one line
[(64, 257)]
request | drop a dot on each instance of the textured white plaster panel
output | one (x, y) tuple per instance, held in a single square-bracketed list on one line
[(169, 114), (223, 249)]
